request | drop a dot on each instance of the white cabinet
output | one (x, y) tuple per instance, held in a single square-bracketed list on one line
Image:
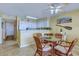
[(42, 23), (25, 24)]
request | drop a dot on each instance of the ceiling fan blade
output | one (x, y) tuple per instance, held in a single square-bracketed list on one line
[(58, 7), (51, 7)]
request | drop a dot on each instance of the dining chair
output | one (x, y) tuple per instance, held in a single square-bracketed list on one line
[(65, 51), (48, 34), (65, 43), (59, 37), (42, 39), (37, 34), (42, 50)]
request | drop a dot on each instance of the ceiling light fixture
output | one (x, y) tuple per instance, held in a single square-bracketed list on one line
[(55, 7)]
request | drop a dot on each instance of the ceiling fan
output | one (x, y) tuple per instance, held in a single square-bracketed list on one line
[(55, 8)]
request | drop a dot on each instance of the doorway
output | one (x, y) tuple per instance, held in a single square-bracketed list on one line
[(9, 32)]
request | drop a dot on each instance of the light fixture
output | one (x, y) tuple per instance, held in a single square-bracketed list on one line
[(55, 8)]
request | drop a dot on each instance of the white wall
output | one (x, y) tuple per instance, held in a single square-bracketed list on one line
[(1, 31)]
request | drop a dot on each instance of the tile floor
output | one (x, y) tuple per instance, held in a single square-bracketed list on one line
[(10, 48)]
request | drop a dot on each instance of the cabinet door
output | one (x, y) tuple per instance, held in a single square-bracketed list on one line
[(42, 23)]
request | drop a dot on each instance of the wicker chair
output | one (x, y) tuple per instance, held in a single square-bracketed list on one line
[(42, 49), (65, 51)]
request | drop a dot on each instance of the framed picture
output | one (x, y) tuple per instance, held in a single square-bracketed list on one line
[(64, 19)]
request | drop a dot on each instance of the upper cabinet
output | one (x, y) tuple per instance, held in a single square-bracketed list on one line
[(31, 24), (42, 23)]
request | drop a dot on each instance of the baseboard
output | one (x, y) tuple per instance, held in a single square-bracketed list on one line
[(26, 45)]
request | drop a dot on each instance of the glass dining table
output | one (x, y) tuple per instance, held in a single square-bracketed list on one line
[(52, 42)]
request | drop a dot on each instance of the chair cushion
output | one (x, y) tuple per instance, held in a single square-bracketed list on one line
[(61, 49), (43, 45), (46, 48)]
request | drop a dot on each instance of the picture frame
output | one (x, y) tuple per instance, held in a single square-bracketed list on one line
[(64, 19)]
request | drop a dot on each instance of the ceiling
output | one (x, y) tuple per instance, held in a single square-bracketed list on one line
[(30, 9)]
